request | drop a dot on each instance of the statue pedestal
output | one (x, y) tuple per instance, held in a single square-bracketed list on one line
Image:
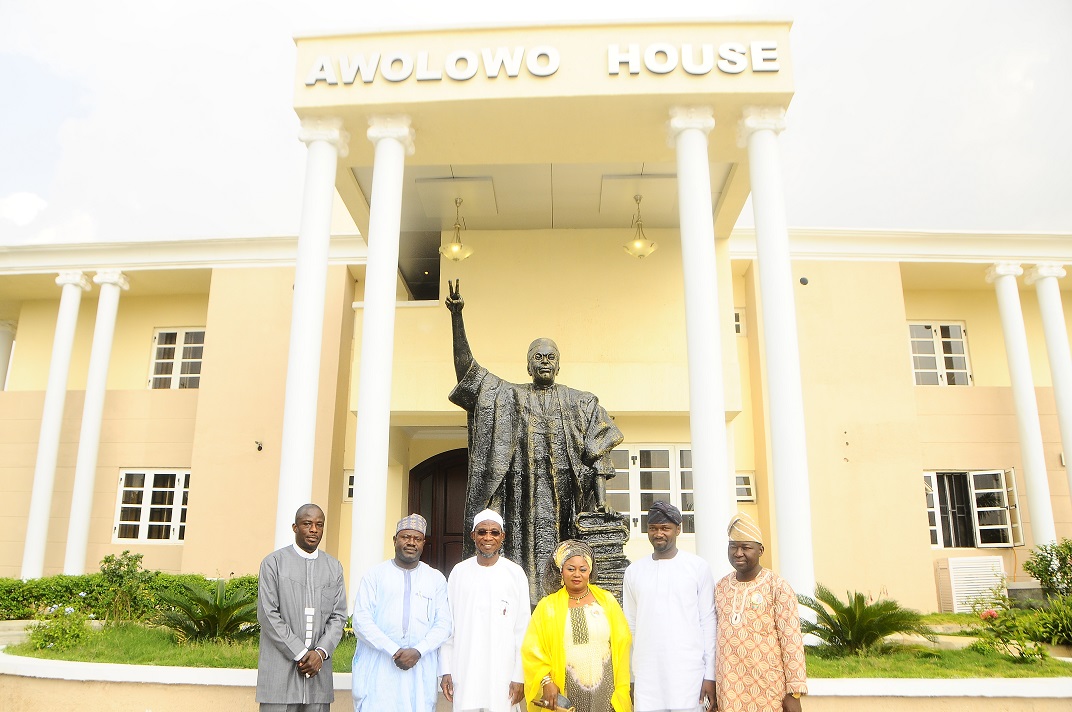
[(607, 535)]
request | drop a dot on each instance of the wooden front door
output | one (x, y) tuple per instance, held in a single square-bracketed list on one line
[(437, 492)]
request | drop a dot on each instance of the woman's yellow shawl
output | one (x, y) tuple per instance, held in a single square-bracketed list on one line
[(544, 650)]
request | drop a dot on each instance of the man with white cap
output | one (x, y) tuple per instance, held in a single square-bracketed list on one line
[(760, 648), (401, 618), (669, 605), (489, 604)]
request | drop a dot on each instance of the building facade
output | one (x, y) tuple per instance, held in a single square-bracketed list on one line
[(879, 401)]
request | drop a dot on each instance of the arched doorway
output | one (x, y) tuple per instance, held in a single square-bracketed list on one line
[(437, 491)]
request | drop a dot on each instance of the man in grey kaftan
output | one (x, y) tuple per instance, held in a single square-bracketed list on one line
[(539, 453), (301, 606)]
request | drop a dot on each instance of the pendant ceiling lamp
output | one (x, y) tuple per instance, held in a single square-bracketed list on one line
[(640, 246), (455, 250)]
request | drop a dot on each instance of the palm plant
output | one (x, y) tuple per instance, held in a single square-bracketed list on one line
[(196, 614), (854, 626)]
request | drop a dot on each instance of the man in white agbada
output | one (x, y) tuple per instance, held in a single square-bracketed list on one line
[(401, 618), (669, 605), (489, 604)]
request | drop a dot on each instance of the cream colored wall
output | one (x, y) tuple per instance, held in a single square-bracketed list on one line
[(139, 429), (618, 321), (974, 428), (757, 416), (869, 522), (30, 694), (233, 487), (132, 346), (36, 331), (978, 309), (242, 394), (333, 419)]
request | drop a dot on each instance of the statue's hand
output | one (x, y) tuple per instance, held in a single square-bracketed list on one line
[(454, 300)]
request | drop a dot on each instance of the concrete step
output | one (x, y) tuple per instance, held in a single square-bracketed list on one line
[(13, 632)]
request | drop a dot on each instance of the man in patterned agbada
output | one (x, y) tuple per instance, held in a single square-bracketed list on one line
[(760, 650)]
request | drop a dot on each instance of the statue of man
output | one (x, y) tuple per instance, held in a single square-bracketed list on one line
[(539, 453)]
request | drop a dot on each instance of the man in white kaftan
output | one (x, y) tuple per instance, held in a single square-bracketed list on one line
[(489, 606), (301, 607), (668, 600), (401, 618)]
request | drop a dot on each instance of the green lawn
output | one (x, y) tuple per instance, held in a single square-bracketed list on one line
[(928, 663), (139, 645), (968, 620)]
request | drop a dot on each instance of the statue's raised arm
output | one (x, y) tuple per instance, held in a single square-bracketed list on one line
[(463, 355)]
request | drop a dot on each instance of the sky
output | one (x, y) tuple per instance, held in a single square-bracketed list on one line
[(154, 119)]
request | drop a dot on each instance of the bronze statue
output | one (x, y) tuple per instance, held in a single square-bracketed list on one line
[(539, 453)]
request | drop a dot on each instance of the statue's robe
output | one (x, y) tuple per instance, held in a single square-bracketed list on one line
[(509, 424)]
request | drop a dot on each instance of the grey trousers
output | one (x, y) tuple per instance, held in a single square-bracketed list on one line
[(299, 707)]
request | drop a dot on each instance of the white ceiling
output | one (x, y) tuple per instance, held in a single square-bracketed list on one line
[(544, 196)]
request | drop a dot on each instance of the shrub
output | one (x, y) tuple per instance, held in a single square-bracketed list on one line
[(59, 628), (195, 613), (1008, 632), (855, 626), (126, 581), (1055, 623), (23, 599), (1051, 564)]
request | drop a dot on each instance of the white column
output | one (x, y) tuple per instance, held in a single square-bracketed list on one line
[(1044, 277), (688, 130), (111, 283), (326, 143), (48, 443), (393, 138), (759, 129), (1003, 276), (7, 340)]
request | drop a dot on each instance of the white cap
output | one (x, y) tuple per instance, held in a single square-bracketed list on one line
[(488, 515)]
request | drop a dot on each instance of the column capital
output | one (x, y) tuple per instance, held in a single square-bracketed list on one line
[(74, 277), (325, 129), (111, 276), (1044, 269), (8, 327), (759, 118), (1003, 269), (689, 117), (395, 126)]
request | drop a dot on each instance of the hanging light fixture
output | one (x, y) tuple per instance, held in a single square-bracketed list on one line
[(456, 251), (640, 246)]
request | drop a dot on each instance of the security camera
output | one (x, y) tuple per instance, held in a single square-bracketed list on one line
[(260, 445)]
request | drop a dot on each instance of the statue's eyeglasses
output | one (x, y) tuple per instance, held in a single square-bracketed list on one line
[(485, 532)]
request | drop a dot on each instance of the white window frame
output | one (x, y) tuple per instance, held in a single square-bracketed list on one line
[(680, 485), (348, 485), (745, 486), (1008, 501), (943, 350), (180, 360), (146, 501)]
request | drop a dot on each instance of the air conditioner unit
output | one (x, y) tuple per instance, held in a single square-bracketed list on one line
[(964, 580)]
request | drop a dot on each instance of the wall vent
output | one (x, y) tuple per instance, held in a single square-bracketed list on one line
[(965, 580)]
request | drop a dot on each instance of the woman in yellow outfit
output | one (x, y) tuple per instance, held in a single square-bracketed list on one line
[(578, 641)]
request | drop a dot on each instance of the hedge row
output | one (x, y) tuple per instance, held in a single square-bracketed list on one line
[(20, 600)]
